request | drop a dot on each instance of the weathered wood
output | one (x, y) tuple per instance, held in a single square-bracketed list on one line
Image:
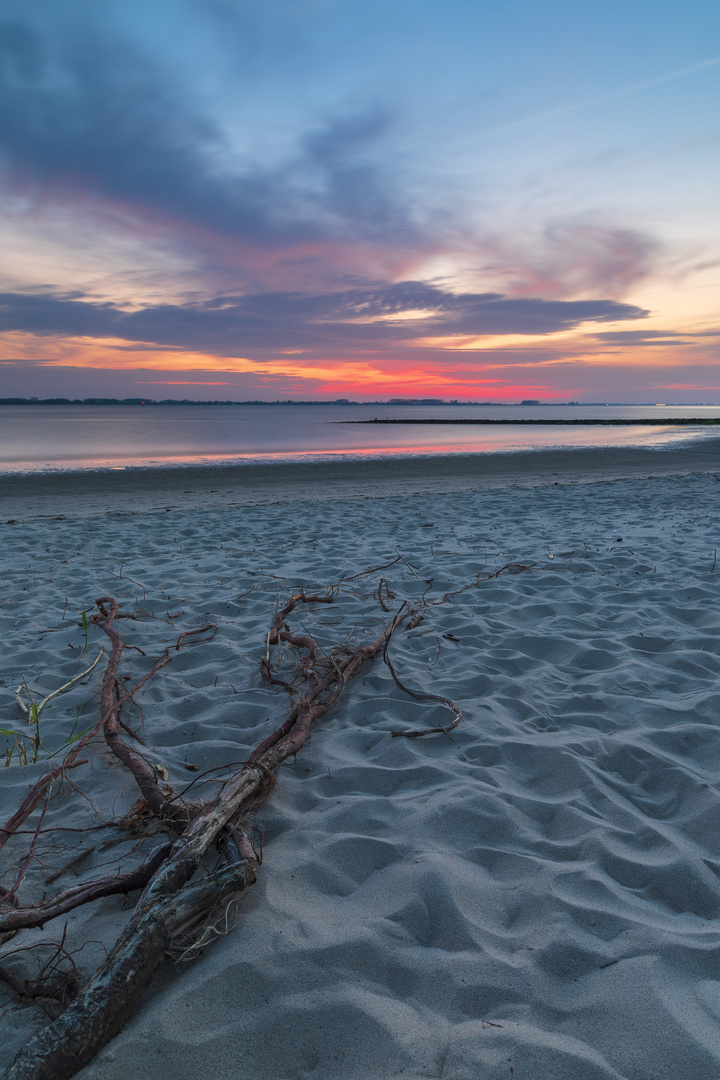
[(22, 918), (62, 1048), (174, 902)]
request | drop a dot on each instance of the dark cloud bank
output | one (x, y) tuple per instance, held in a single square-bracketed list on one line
[(88, 120), (91, 123), (83, 111), (371, 317)]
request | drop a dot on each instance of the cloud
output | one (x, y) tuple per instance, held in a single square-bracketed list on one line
[(630, 339), (88, 114), (352, 190), (95, 116), (636, 337), (101, 130), (576, 258), (355, 318)]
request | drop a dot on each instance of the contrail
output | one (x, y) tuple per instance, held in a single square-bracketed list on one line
[(536, 118)]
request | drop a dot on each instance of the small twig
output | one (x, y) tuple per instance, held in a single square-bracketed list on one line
[(374, 570), (63, 991), (410, 568), (29, 857), (70, 865), (199, 630), (121, 578), (409, 734), (390, 596), (65, 686), (36, 793)]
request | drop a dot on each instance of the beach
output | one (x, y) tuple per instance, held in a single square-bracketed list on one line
[(536, 895)]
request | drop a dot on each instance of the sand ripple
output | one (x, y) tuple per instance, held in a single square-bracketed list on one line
[(537, 899)]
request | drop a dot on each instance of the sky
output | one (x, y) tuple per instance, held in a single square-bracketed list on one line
[(314, 199)]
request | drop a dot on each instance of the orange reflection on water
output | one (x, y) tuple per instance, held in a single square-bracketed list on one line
[(500, 439)]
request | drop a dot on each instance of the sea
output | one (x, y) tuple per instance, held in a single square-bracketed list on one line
[(42, 438)]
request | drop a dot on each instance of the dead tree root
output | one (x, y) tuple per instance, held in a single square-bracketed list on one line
[(181, 899)]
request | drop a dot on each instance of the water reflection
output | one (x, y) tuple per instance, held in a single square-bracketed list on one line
[(48, 438)]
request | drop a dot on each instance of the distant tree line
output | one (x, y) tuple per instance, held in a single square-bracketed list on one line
[(291, 401), (189, 401)]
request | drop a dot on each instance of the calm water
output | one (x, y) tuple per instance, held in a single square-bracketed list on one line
[(42, 438)]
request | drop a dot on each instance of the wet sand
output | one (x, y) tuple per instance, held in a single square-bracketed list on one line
[(142, 489)]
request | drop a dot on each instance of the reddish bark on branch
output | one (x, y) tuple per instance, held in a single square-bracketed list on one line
[(172, 905), (38, 914)]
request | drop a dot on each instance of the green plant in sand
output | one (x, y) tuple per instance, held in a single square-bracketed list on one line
[(26, 746)]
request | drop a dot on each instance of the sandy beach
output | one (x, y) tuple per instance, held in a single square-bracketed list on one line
[(537, 898), (177, 488)]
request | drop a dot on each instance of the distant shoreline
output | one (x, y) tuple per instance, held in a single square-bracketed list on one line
[(437, 403)]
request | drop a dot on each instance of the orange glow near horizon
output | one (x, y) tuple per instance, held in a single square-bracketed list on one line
[(184, 220), (494, 368)]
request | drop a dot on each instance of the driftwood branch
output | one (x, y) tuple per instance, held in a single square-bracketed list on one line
[(179, 895), (38, 914), (61, 990)]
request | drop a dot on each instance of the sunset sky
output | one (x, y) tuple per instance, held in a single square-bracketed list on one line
[(219, 199)]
